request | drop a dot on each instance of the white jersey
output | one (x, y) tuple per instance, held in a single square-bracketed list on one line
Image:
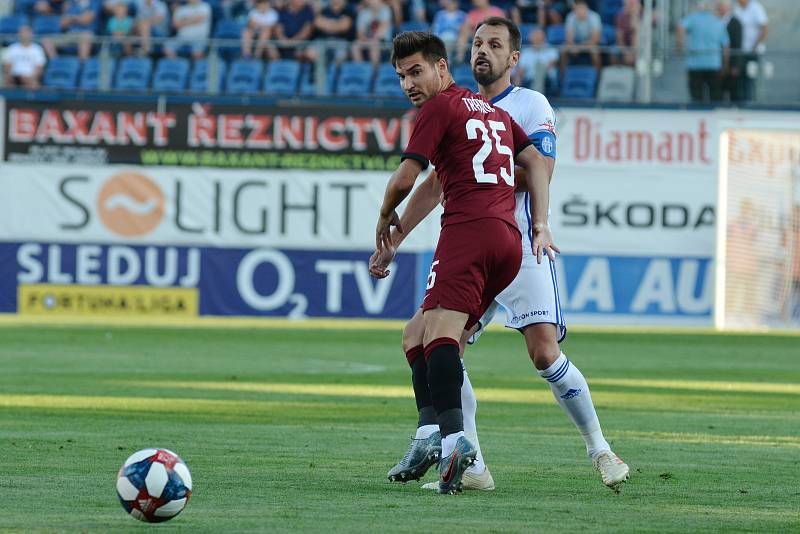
[(532, 297), (533, 113)]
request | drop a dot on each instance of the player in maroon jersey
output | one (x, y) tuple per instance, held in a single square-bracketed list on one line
[(473, 146)]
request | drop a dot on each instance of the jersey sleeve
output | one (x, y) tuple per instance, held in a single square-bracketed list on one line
[(521, 141), (429, 128), (541, 125)]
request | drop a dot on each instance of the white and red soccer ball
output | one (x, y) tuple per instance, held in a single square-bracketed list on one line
[(154, 485)]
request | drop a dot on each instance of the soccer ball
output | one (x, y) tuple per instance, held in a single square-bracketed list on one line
[(154, 485)]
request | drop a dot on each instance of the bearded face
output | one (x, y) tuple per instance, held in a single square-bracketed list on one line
[(492, 56)]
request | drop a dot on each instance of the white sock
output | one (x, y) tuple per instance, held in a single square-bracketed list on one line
[(449, 443), (469, 405), (572, 393), (425, 431)]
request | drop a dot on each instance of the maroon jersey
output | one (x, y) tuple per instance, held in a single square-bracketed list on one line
[(472, 145)]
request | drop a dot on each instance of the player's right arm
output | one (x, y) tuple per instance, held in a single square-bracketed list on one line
[(424, 199), (429, 128), (400, 185)]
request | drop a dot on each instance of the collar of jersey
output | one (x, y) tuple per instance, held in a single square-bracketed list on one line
[(502, 95)]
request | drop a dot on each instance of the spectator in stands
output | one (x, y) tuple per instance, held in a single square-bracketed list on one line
[(335, 26), (707, 52), (537, 64), (24, 61), (447, 22), (152, 19), (239, 9), (627, 24), (541, 12), (295, 25), (415, 10), (397, 7), (755, 27), (261, 23), (583, 31), (110, 5), (192, 23), (48, 7), (731, 82), (119, 27), (481, 10), (373, 29), (79, 18)]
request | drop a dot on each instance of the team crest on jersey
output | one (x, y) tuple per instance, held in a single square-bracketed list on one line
[(549, 126)]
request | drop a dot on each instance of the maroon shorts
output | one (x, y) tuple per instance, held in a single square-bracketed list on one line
[(473, 262)]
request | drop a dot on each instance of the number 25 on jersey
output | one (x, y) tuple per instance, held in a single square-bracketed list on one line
[(474, 126)]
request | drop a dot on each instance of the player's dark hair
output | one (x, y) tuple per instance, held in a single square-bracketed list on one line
[(513, 31), (409, 43)]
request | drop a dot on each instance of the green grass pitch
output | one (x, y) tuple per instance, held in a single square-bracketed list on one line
[(294, 430)]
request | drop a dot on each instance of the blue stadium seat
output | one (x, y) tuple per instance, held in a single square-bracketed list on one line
[(62, 72), (244, 77), (386, 82), (355, 78), (462, 75), (609, 36), (609, 10), (282, 77), (198, 80), (90, 74), (556, 34), (133, 74), (11, 24), (229, 29), (413, 26), (47, 25), (171, 75), (579, 82), (308, 85), (24, 7)]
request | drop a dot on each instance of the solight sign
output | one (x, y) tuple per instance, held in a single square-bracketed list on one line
[(88, 241), (288, 209)]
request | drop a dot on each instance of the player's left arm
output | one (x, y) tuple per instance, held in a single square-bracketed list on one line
[(537, 178), (540, 121)]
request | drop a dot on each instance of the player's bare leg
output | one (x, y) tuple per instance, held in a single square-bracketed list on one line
[(443, 329), (426, 445), (571, 391)]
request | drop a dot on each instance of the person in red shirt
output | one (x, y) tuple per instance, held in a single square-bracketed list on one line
[(482, 9), (473, 146)]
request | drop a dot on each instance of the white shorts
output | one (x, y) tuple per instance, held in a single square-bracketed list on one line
[(532, 297)]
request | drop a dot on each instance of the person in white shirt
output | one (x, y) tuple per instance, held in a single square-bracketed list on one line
[(755, 28), (24, 61), (192, 23), (261, 22), (152, 19), (755, 25), (535, 61)]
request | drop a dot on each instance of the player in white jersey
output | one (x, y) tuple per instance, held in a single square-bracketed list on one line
[(531, 301)]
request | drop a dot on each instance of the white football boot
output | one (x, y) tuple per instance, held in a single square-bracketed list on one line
[(470, 481), (613, 470)]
